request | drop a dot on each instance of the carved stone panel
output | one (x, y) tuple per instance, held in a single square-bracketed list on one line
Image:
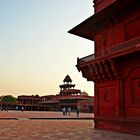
[(132, 28), (106, 100), (135, 83)]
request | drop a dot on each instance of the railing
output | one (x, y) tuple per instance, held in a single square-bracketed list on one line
[(126, 45), (130, 45), (47, 102), (86, 59)]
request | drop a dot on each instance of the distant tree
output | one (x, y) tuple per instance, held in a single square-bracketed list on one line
[(8, 98), (0, 98)]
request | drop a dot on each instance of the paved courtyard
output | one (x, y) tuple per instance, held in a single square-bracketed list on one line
[(48, 129)]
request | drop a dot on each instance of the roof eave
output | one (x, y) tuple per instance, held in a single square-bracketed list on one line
[(88, 28), (84, 29)]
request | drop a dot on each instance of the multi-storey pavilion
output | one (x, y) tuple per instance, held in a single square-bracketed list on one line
[(115, 66), (73, 98)]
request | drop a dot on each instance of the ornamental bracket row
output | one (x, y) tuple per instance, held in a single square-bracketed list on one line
[(99, 71)]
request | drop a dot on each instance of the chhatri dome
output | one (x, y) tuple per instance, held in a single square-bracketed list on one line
[(67, 88), (67, 79), (67, 83)]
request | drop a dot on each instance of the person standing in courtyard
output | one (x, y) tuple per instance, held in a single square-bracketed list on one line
[(78, 111), (22, 108), (16, 108), (69, 110), (64, 110)]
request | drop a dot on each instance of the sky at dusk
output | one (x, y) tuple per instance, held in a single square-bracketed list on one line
[(36, 50)]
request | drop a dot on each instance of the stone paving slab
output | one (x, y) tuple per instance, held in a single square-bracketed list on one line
[(56, 130)]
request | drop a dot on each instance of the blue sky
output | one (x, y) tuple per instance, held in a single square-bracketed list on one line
[(36, 52)]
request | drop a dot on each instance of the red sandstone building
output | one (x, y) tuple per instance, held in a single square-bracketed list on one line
[(30, 103), (115, 66), (67, 97)]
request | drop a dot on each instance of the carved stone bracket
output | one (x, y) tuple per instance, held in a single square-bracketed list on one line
[(99, 71)]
